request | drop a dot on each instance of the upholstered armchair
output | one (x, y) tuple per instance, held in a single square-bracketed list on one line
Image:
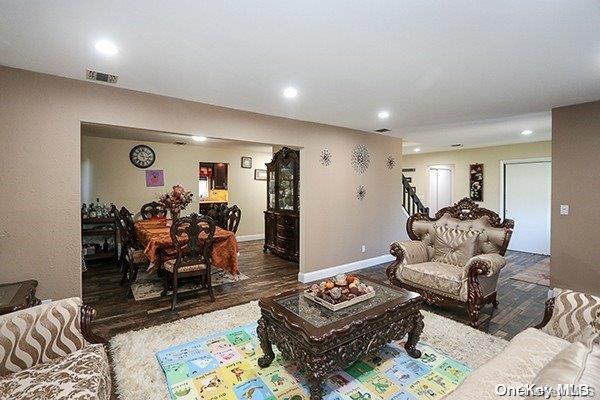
[(50, 352), (453, 258)]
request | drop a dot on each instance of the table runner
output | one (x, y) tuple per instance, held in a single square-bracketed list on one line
[(155, 235)]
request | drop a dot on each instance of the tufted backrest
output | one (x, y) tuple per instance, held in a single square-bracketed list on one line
[(40, 334), (493, 235)]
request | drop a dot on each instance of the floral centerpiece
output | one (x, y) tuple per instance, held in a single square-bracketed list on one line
[(176, 200)]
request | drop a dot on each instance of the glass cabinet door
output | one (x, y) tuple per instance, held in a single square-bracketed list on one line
[(285, 195), (271, 189)]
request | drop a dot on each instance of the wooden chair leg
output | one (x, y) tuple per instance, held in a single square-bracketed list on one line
[(210, 288), (174, 295), (165, 284), (132, 275), (124, 265)]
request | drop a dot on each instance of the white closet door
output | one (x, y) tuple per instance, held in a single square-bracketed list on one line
[(440, 188), (527, 202)]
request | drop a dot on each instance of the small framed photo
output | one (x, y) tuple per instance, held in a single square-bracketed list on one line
[(247, 162), (155, 177), (260, 174)]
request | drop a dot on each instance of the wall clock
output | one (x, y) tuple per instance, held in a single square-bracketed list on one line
[(142, 156)]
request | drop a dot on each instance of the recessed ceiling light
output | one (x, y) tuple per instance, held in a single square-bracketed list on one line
[(383, 115), (417, 149), (526, 132), (106, 47), (290, 92), (199, 138)]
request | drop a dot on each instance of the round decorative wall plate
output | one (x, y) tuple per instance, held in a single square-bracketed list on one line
[(325, 158), (142, 156), (360, 158), (391, 162), (361, 192)]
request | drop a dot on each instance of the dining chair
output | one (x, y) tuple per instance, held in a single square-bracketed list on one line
[(132, 253), (233, 215), (218, 213), (153, 210), (192, 237)]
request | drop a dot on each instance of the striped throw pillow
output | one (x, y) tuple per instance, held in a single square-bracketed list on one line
[(573, 312)]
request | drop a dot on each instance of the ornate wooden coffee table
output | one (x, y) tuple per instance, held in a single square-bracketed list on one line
[(320, 341)]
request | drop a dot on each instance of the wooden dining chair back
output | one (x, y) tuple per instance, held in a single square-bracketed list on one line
[(192, 238), (218, 213), (132, 255), (153, 210), (232, 218)]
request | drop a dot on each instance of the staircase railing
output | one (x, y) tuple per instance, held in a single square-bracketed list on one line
[(410, 201)]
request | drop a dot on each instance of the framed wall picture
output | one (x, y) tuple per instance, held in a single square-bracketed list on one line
[(155, 177), (247, 162), (476, 182), (260, 174)]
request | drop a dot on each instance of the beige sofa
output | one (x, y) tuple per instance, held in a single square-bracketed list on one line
[(549, 354), (472, 261), (49, 352)]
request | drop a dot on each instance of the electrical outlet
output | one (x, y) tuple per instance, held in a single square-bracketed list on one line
[(363, 248), (564, 209)]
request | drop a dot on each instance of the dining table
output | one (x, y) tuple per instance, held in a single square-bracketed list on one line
[(155, 236)]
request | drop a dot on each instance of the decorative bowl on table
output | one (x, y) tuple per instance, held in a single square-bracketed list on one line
[(339, 292)]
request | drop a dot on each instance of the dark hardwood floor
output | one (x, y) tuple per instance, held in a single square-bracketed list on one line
[(521, 303)]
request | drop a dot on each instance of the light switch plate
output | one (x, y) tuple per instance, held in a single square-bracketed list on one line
[(564, 209)]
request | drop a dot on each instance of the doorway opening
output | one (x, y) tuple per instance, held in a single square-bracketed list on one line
[(525, 198), (441, 187)]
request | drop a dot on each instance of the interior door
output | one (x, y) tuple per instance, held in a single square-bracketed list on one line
[(527, 201), (440, 188)]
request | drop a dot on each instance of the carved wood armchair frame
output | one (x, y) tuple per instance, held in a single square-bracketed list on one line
[(465, 209)]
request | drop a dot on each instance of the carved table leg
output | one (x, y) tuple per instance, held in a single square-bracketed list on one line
[(413, 336), (315, 385), (265, 344)]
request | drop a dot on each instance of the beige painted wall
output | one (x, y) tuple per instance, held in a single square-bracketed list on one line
[(40, 117), (106, 172), (575, 245), (460, 159)]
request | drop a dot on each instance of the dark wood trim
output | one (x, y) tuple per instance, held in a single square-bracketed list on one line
[(547, 313), (87, 315)]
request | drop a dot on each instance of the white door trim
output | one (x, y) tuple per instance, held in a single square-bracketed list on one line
[(516, 161)]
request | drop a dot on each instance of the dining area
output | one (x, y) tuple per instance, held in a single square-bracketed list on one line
[(160, 243)]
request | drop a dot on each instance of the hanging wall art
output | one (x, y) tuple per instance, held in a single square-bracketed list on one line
[(361, 192), (476, 182), (325, 158), (391, 162)]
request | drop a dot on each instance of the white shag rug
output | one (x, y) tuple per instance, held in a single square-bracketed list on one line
[(139, 376)]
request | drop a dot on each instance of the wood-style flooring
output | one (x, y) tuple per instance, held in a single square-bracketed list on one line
[(521, 303)]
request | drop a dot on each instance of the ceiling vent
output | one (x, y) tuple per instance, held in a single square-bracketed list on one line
[(382, 130), (180, 143), (100, 76), (456, 145)]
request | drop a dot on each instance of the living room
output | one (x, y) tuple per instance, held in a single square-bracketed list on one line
[(392, 294)]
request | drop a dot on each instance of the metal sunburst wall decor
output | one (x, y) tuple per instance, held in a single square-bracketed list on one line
[(361, 192), (391, 162), (325, 158), (360, 158)]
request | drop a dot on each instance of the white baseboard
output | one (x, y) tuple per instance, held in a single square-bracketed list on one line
[(344, 268), (247, 238)]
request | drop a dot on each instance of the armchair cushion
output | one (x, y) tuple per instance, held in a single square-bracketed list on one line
[(573, 312), (415, 251), (443, 278), (453, 246), (494, 261), (83, 374), (40, 334)]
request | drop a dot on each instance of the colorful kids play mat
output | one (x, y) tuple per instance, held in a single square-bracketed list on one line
[(224, 367)]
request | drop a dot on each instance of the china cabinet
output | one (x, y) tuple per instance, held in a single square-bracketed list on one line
[(282, 217)]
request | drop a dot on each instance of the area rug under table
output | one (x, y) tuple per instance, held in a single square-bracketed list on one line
[(219, 351)]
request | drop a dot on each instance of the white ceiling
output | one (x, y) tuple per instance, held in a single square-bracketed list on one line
[(435, 65), (145, 135)]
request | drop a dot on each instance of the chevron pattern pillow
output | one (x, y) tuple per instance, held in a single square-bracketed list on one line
[(573, 312)]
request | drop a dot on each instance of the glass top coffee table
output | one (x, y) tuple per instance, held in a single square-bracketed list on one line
[(321, 341)]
